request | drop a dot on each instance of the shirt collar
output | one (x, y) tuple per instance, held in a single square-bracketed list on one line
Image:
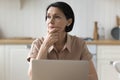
[(66, 46), (68, 43)]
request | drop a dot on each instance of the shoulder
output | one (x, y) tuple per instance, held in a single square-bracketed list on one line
[(76, 39), (38, 41)]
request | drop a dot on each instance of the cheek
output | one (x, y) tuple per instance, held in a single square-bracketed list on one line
[(63, 25)]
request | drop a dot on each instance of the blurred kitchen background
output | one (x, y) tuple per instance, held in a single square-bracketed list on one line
[(23, 20), (26, 18)]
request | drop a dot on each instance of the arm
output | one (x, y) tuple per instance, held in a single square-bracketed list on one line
[(92, 72), (30, 69), (88, 56), (50, 39), (39, 56), (42, 54)]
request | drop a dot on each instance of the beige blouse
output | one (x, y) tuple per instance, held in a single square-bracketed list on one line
[(74, 49)]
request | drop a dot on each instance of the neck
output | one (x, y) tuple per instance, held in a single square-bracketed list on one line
[(61, 42)]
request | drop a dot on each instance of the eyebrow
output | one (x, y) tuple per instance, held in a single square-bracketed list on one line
[(56, 14)]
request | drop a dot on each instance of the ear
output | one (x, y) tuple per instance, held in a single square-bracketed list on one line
[(69, 22)]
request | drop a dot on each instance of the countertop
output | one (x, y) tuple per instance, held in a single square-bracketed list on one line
[(30, 40), (16, 41), (104, 42)]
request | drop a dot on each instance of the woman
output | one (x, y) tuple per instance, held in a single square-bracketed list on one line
[(58, 44)]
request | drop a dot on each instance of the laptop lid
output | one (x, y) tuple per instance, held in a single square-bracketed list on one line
[(59, 70)]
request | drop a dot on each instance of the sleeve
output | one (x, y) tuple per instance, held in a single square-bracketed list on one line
[(85, 55), (35, 46)]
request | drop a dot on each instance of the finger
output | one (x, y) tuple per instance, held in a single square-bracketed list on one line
[(55, 35), (42, 39), (54, 40), (55, 30)]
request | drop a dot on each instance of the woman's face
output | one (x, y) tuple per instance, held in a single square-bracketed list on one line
[(56, 19)]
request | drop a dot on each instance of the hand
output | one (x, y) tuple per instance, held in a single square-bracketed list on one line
[(51, 37)]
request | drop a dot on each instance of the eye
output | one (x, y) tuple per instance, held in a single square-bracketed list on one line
[(57, 17), (48, 17)]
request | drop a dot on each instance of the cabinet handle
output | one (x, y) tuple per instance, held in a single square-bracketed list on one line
[(111, 62), (28, 46)]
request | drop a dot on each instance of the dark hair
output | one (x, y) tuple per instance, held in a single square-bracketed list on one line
[(67, 10)]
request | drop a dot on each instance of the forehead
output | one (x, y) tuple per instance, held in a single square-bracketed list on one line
[(54, 10)]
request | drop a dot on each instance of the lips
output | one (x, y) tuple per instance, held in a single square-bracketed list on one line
[(51, 25)]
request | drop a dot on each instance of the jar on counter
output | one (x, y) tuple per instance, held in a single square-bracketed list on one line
[(101, 32)]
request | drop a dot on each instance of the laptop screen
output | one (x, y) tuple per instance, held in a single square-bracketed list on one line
[(60, 70)]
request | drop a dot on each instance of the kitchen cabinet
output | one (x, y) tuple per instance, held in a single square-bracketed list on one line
[(2, 62), (14, 63), (106, 54)]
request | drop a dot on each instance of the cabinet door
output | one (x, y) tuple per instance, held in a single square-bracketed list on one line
[(107, 54), (106, 71), (2, 61), (16, 63)]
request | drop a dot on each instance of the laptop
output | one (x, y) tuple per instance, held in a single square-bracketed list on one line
[(60, 70)]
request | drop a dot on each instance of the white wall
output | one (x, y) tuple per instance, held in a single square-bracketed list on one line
[(27, 19)]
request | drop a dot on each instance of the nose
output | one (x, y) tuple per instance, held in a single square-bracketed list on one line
[(51, 21)]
